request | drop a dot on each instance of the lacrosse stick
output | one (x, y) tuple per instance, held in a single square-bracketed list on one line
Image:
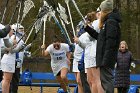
[(62, 11), (61, 28), (20, 2), (38, 23), (44, 30), (51, 14), (74, 3), (63, 17), (28, 4), (14, 12), (67, 3), (63, 24), (44, 33), (29, 34), (44, 19), (3, 16)]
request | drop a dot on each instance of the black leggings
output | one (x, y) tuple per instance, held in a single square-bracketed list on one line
[(122, 90), (1, 75)]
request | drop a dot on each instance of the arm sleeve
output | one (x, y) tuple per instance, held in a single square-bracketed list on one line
[(28, 47), (49, 48), (67, 48), (20, 46), (8, 43), (132, 58), (3, 49), (91, 32), (132, 61), (81, 44), (5, 31), (4, 46), (17, 49)]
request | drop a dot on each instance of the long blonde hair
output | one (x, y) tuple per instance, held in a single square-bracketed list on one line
[(103, 16)]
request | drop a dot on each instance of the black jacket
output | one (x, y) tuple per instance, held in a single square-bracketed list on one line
[(5, 31), (122, 73), (107, 40)]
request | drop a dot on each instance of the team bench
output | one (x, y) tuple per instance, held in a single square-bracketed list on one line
[(42, 77), (135, 83), (135, 78)]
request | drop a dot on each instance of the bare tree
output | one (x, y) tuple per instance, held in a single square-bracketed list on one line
[(117, 4), (128, 22), (138, 34)]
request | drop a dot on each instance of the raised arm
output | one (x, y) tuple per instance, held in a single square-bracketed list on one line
[(91, 32)]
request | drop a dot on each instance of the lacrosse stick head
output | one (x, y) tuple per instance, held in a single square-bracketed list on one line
[(28, 4), (45, 3), (43, 10), (61, 8), (67, 1), (62, 13), (38, 24)]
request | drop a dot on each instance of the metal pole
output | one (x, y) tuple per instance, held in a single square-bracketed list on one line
[(65, 30)]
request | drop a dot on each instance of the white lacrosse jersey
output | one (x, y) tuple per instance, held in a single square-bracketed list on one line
[(77, 53), (58, 57)]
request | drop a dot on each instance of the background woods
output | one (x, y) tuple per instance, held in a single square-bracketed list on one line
[(130, 26)]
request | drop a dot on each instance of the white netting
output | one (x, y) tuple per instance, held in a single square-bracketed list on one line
[(28, 4), (38, 24), (62, 12)]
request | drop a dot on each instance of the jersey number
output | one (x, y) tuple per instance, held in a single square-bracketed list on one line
[(59, 58)]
